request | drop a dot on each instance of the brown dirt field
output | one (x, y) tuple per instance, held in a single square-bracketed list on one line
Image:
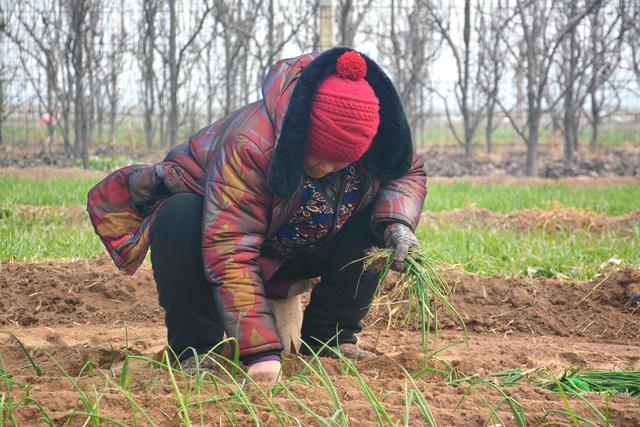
[(578, 181), (527, 220), (69, 215), (76, 311), (52, 172)]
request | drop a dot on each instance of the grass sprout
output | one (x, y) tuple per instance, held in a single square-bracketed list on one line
[(577, 381), (421, 285)]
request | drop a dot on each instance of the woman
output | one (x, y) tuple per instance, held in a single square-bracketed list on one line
[(297, 185)]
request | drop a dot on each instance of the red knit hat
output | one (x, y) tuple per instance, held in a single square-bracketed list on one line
[(345, 114)]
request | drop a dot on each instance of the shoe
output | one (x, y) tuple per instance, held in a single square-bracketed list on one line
[(354, 352), (207, 363), (348, 350)]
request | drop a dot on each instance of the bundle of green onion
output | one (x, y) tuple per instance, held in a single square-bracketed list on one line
[(626, 382), (421, 285)]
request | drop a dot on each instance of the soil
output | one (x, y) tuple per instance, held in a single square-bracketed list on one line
[(73, 312), (572, 181), (446, 161), (67, 215), (42, 172), (26, 155), (527, 220), (509, 160)]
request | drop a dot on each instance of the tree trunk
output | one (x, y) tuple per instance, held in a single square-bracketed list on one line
[(99, 109), (569, 143), (89, 116), (51, 129), (68, 97), (532, 154), (595, 122), (467, 148), (532, 142), (163, 128), (148, 129), (210, 85), (519, 108), (466, 114), (51, 109), (489, 128), (2, 116), (533, 128), (173, 76), (78, 60), (113, 114), (80, 121), (148, 75)]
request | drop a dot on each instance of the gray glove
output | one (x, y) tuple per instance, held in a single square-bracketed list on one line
[(401, 239)]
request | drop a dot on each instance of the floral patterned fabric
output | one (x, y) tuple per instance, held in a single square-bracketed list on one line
[(314, 220)]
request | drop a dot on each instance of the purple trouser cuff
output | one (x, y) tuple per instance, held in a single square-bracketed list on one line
[(262, 358)]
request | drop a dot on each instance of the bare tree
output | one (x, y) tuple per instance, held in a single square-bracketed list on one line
[(572, 80), (631, 22), (146, 61), (540, 44), (471, 100), (349, 15), (490, 33), (38, 40), (408, 48), (115, 65), (607, 31), (280, 29), (95, 69), (307, 38), (587, 58), (237, 21), (79, 21), (211, 69), (179, 54), (8, 72)]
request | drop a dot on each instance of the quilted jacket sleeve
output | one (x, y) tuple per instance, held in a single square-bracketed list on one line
[(235, 220), (402, 199)]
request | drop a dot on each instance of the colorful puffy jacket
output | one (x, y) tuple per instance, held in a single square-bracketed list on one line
[(248, 167)]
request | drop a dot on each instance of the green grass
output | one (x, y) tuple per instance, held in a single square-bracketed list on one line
[(575, 254), (54, 191), (504, 198), (46, 236)]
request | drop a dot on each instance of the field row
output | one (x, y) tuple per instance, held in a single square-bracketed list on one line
[(444, 194), (88, 343), (538, 229), (550, 250)]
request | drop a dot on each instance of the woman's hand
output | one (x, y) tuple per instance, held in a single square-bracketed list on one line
[(265, 373), (401, 239)]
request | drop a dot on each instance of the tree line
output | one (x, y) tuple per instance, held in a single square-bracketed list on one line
[(84, 61)]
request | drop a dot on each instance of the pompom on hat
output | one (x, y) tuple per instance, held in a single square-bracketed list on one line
[(345, 113)]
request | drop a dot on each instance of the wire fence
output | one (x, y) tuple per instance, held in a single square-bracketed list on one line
[(27, 129)]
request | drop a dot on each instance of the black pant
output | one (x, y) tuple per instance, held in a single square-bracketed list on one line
[(338, 303)]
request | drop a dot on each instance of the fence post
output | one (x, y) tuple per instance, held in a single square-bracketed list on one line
[(326, 24)]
